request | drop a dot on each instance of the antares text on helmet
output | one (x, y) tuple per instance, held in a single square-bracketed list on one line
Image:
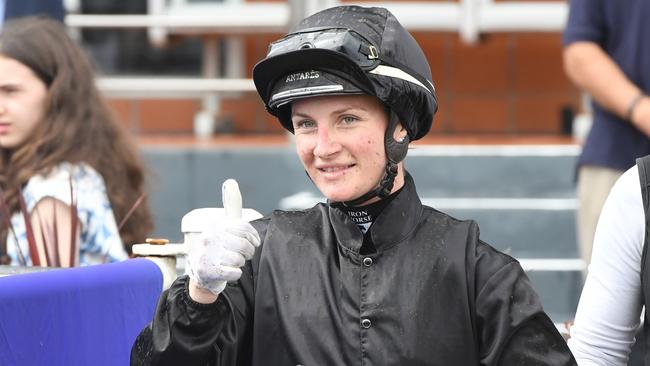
[(313, 74)]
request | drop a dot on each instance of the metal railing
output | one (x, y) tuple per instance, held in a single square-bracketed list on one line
[(467, 17), (171, 87), (227, 19)]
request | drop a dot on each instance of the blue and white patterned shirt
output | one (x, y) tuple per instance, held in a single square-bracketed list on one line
[(99, 234)]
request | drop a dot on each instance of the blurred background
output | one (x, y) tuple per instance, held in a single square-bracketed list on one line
[(501, 58), (502, 149)]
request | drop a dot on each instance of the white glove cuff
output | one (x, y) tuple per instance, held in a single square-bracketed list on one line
[(214, 286)]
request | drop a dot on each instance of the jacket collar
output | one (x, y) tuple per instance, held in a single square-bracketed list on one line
[(391, 227)]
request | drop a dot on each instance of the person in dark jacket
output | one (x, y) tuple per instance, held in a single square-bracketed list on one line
[(372, 277), (22, 8)]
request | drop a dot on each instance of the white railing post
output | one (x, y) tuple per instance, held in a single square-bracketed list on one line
[(157, 35), (204, 120), (469, 14)]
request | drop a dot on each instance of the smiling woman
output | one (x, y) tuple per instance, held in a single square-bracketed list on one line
[(373, 276), (340, 141), (71, 181)]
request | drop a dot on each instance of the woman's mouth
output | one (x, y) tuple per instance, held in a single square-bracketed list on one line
[(336, 171)]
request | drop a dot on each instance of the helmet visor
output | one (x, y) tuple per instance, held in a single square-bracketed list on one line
[(341, 40)]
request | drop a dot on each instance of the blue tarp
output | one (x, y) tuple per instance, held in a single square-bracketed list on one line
[(79, 316)]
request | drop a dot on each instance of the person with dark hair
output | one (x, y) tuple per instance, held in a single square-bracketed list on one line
[(71, 179), (372, 277)]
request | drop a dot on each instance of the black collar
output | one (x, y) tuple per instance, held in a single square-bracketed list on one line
[(391, 227)]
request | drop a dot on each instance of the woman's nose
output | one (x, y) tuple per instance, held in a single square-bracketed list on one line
[(326, 144)]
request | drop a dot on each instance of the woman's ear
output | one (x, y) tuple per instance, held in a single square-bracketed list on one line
[(399, 134)]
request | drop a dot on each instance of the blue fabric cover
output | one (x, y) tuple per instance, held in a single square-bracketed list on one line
[(80, 316)]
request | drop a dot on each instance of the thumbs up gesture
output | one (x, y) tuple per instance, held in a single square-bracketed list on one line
[(222, 248)]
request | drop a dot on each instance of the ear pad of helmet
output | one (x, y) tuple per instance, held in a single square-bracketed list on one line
[(395, 150)]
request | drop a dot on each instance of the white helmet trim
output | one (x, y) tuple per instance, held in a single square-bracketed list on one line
[(399, 74), (299, 92)]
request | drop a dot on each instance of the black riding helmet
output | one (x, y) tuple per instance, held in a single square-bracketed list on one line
[(352, 50)]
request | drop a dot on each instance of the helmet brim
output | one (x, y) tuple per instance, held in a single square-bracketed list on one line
[(268, 72)]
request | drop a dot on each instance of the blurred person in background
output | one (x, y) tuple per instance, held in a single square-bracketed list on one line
[(372, 277), (618, 282), (10, 9), (71, 179), (606, 55)]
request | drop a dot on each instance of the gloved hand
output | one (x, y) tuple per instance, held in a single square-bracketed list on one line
[(222, 249)]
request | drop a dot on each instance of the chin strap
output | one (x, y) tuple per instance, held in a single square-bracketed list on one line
[(382, 190), (395, 152)]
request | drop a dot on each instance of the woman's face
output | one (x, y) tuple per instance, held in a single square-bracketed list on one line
[(340, 141), (22, 102)]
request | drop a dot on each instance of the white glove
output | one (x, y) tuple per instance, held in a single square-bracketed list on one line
[(223, 248)]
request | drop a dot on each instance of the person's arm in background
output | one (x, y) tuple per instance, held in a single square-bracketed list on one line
[(609, 311), (590, 68), (593, 71)]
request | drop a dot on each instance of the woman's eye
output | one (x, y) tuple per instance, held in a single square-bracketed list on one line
[(349, 119), (7, 89), (304, 124)]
